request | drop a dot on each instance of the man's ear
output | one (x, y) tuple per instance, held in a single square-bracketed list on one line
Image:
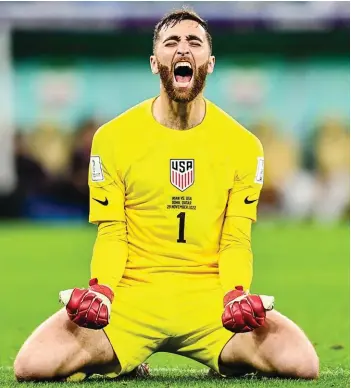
[(153, 64), (211, 64)]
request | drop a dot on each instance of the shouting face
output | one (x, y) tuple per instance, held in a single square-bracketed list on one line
[(183, 59)]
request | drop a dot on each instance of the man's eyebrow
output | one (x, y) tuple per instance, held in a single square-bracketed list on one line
[(193, 37), (188, 38), (172, 37)]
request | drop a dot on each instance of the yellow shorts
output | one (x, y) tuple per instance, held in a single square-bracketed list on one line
[(146, 319)]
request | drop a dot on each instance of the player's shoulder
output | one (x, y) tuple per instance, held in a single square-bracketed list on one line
[(230, 128), (124, 122)]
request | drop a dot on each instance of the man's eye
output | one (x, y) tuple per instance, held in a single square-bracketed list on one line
[(196, 44), (170, 44)]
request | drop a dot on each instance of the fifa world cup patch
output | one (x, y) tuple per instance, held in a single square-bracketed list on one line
[(259, 170), (96, 169), (182, 173)]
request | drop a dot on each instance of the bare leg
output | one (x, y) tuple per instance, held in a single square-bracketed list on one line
[(278, 349), (59, 348)]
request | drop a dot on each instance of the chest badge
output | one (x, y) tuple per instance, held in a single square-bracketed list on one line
[(182, 173)]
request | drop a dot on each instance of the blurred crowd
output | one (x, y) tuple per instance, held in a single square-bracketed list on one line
[(52, 171), (309, 179), (304, 180)]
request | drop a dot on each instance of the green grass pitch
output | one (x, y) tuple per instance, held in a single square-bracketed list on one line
[(306, 267)]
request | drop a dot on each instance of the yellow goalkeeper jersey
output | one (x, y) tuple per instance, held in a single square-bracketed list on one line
[(173, 188)]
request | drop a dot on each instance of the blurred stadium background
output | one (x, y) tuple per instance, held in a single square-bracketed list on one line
[(282, 70)]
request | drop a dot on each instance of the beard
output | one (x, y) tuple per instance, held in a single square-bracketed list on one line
[(189, 94)]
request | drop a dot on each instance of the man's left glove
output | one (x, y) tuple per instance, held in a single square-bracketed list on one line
[(244, 312), (88, 307)]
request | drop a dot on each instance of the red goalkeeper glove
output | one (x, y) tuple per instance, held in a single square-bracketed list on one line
[(88, 307), (244, 312)]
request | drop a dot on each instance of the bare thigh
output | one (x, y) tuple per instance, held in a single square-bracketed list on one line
[(59, 348), (280, 348)]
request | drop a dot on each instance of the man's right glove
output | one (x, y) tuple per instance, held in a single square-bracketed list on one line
[(88, 307), (245, 312)]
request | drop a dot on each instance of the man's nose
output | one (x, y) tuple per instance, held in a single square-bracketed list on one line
[(183, 49), (183, 52)]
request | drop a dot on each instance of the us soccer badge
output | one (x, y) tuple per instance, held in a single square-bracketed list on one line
[(182, 173)]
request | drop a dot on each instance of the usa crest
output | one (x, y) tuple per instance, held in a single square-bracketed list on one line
[(182, 173)]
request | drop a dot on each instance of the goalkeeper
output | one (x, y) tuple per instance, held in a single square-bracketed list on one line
[(174, 186)]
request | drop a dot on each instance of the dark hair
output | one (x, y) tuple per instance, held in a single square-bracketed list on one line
[(176, 16)]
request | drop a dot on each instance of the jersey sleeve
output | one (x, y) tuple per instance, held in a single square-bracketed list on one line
[(106, 188), (248, 181), (110, 253), (235, 255)]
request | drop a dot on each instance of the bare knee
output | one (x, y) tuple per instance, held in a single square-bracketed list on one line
[(305, 368), (299, 365), (26, 368), (310, 369)]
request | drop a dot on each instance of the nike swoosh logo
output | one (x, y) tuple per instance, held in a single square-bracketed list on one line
[(104, 203), (247, 201)]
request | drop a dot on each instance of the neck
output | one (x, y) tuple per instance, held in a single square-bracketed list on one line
[(179, 115)]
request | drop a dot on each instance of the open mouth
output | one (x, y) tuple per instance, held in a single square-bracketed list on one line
[(183, 73)]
